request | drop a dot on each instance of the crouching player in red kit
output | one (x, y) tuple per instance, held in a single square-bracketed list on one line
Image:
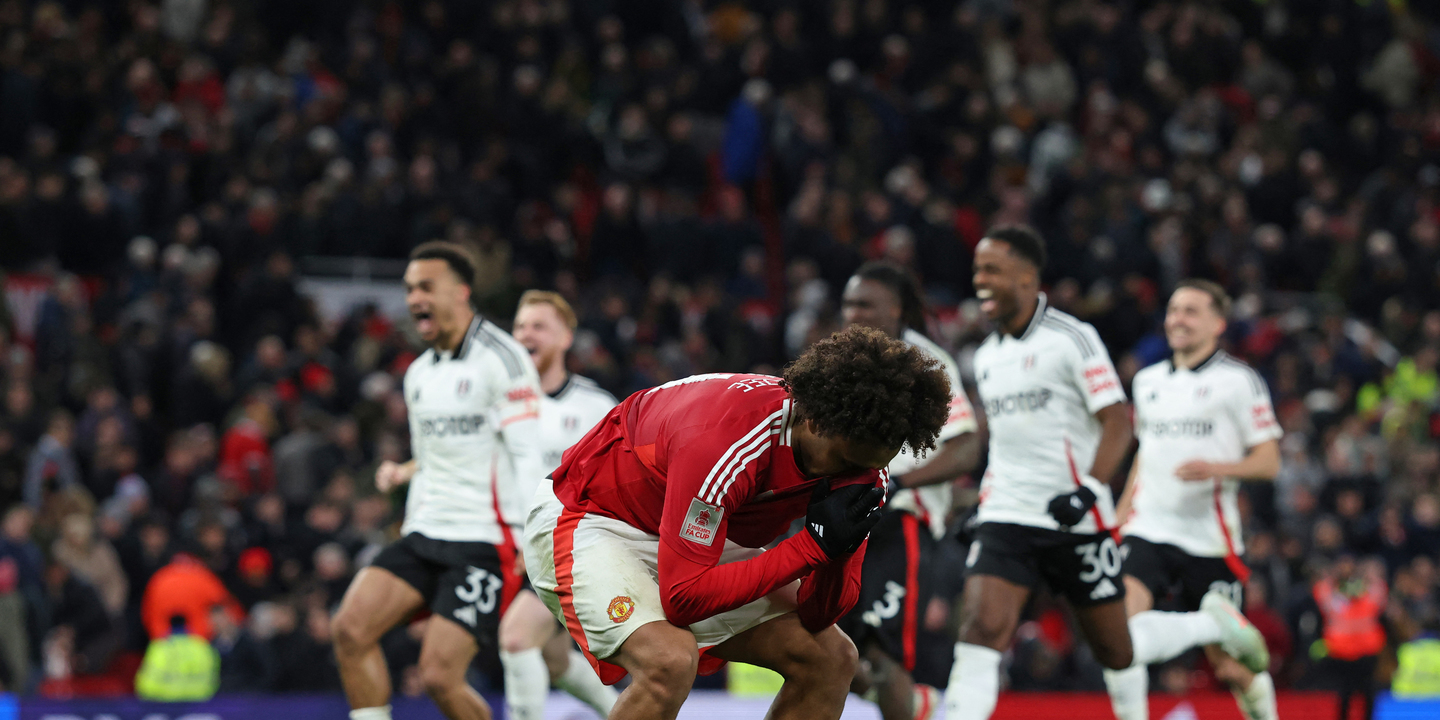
[(648, 545)]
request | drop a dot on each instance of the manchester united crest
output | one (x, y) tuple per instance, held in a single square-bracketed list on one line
[(621, 608)]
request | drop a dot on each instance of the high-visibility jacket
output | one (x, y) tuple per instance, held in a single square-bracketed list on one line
[(1418, 673), (1352, 623), (178, 668)]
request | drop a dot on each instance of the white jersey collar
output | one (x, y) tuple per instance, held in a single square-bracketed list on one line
[(465, 342), (1212, 360), (1040, 305)]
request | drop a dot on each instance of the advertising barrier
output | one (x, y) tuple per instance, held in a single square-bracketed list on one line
[(702, 705)]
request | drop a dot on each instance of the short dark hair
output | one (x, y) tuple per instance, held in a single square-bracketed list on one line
[(456, 256), (1023, 241), (902, 282), (862, 385), (1218, 297)]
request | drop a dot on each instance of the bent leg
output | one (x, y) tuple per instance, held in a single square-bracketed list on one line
[(989, 614), (523, 629), (894, 687), (1130, 688), (445, 655), (376, 601), (817, 667), (1108, 633), (662, 659)]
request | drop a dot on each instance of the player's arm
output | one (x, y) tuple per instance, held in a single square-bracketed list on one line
[(1115, 437), (391, 474), (1094, 376), (959, 450), (827, 594), (1250, 408), (516, 412), (1261, 462), (705, 485), (955, 457), (1122, 508)]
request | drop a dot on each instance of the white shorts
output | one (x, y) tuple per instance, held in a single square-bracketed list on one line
[(600, 578)]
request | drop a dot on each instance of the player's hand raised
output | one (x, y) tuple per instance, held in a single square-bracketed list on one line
[(391, 475), (1069, 509), (840, 520)]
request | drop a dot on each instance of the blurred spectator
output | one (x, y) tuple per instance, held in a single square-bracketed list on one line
[(82, 637), (245, 662), (245, 459), (92, 560), (187, 588), (1351, 600), (301, 646), (52, 464), (179, 667)]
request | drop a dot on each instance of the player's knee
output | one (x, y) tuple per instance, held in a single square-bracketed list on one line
[(839, 658), (439, 677), (514, 639), (348, 633), (667, 671), (1115, 657), (990, 630), (830, 659)]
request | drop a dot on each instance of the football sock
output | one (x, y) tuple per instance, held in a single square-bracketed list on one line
[(1129, 689), (371, 713), (974, 683), (581, 681), (527, 682), (1160, 636), (1257, 702)]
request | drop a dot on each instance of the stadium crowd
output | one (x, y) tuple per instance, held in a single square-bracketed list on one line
[(183, 431)]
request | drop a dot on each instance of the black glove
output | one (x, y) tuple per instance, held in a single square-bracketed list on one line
[(966, 525), (839, 521), (1070, 509)]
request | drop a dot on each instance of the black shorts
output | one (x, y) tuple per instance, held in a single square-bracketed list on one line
[(464, 582), (1163, 568), (1083, 568), (896, 584)]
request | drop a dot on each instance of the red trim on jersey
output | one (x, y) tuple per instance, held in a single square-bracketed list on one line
[(911, 526), (1232, 559), (920, 505), (1094, 509), (506, 549), (565, 580)]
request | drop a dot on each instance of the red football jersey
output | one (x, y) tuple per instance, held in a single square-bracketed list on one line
[(702, 460)]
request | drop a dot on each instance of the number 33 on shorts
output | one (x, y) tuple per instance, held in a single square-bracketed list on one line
[(481, 588)]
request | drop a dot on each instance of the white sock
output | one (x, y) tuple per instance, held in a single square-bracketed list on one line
[(581, 681), (1129, 690), (1161, 636), (974, 683), (371, 713), (527, 682), (1257, 702)]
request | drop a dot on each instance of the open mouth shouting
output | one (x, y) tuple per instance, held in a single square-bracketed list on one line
[(988, 303)]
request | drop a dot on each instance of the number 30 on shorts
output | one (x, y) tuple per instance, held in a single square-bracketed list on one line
[(1100, 558)]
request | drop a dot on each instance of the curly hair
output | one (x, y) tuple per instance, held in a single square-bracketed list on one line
[(862, 385)]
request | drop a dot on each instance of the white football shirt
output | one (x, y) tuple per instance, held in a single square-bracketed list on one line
[(1040, 392), (474, 433), (932, 502), (1217, 411), (568, 414)]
